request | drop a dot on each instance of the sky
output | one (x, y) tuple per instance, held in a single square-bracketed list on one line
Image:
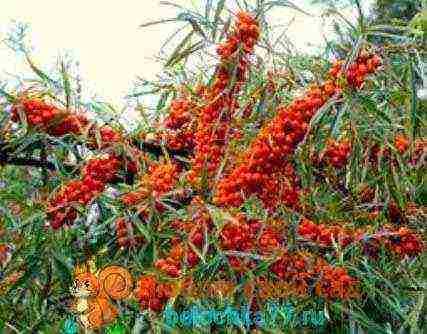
[(106, 39)]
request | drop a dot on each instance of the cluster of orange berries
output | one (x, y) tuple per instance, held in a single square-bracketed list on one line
[(326, 235), (125, 234), (270, 150), (163, 178), (96, 174), (337, 152), (249, 235), (160, 179), (179, 124), (179, 114), (107, 137), (245, 35), (214, 119), (334, 282), (152, 294), (304, 270), (58, 122), (192, 233), (357, 72), (401, 143), (401, 241), (53, 120), (278, 140), (172, 264)]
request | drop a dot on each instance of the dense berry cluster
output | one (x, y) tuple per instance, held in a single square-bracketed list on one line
[(106, 136), (305, 271), (337, 153), (269, 152), (326, 235), (357, 72), (159, 180), (334, 282), (152, 294), (250, 235), (96, 174), (401, 241), (163, 178), (50, 118), (37, 112), (277, 141), (179, 114), (179, 124), (214, 119)]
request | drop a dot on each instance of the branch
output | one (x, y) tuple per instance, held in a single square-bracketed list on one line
[(157, 150), (29, 162)]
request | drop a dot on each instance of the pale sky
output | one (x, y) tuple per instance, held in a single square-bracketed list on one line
[(104, 36)]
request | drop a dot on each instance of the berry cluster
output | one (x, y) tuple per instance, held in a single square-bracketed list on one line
[(96, 174), (401, 241), (214, 119), (277, 142), (305, 271), (326, 235), (179, 114), (171, 265), (125, 234), (357, 72), (51, 119), (245, 35), (160, 179), (192, 231), (334, 282), (337, 153), (107, 137), (249, 235), (152, 294), (37, 112), (58, 122), (268, 153), (401, 143)]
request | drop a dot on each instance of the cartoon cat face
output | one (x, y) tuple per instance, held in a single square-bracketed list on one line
[(85, 285)]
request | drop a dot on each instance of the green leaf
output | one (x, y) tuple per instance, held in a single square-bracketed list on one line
[(10, 98), (152, 23), (283, 3), (65, 273), (414, 116), (218, 11), (66, 84), (39, 72), (176, 53), (186, 53), (370, 105)]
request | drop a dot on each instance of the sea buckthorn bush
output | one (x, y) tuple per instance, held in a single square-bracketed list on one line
[(262, 175)]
